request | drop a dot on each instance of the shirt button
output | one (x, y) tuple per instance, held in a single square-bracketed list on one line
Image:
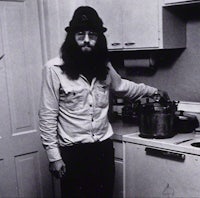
[(90, 105)]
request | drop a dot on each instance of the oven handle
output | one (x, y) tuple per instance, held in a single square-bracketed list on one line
[(165, 154)]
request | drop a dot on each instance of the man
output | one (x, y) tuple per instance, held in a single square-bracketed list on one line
[(75, 130)]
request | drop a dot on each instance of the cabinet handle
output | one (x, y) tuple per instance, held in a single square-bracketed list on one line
[(129, 44), (115, 44), (165, 154), (2, 56)]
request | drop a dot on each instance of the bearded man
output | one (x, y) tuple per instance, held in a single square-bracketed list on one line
[(74, 125)]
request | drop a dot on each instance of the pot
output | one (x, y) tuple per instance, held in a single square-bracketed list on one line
[(156, 117), (185, 122)]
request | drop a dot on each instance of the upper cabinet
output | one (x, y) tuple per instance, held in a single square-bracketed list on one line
[(140, 25), (111, 12), (131, 24), (57, 14), (176, 2)]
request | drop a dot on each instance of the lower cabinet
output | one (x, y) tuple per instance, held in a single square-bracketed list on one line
[(118, 186)]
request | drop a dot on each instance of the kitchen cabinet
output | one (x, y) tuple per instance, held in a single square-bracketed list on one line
[(110, 12), (140, 25), (131, 24), (177, 2), (118, 186), (153, 170), (57, 15)]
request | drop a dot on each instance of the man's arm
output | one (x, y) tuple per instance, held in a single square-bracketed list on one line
[(128, 88), (48, 114)]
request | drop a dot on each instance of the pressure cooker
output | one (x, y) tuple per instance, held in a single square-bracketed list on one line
[(156, 117), (159, 118)]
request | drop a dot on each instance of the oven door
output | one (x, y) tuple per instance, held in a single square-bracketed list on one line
[(154, 172)]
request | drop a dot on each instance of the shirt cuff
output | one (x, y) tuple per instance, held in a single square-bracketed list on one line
[(53, 154)]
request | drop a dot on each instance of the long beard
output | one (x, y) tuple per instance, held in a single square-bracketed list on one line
[(88, 63), (92, 64)]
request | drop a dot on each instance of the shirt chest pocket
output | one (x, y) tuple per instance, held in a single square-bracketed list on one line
[(102, 96), (73, 99)]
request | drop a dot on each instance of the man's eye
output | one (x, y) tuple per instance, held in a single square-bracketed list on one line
[(92, 34), (80, 33)]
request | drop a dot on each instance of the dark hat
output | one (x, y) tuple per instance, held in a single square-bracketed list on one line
[(85, 18)]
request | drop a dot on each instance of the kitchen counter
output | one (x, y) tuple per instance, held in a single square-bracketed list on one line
[(120, 129)]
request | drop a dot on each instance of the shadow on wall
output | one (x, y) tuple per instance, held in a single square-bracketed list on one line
[(150, 61)]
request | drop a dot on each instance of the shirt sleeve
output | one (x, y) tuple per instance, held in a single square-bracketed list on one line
[(48, 113), (127, 88)]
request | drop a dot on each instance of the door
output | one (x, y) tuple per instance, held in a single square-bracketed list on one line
[(23, 163)]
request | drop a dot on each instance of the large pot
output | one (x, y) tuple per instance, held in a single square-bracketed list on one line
[(156, 118)]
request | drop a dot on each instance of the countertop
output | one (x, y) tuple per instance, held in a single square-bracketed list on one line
[(180, 142), (120, 128)]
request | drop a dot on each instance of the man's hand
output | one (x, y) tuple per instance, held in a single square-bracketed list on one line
[(161, 96), (57, 168), (164, 95)]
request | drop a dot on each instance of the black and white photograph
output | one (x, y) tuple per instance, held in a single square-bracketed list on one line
[(99, 99)]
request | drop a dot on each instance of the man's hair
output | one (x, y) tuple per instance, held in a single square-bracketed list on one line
[(75, 62)]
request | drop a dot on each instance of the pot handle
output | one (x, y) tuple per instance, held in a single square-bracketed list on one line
[(165, 154)]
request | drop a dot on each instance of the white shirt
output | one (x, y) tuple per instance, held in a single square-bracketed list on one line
[(74, 111)]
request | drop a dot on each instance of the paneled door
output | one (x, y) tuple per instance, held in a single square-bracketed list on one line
[(23, 163)]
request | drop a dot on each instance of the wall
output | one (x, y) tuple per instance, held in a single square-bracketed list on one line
[(179, 71)]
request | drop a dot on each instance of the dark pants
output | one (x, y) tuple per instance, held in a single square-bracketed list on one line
[(90, 170)]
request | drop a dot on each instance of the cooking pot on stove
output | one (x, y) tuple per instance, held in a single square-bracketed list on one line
[(156, 117), (185, 122)]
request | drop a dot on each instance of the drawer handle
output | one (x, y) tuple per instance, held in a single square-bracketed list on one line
[(165, 154), (129, 44), (115, 44)]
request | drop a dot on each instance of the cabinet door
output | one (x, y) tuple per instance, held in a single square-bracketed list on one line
[(110, 12), (58, 14), (118, 187), (148, 175), (141, 23)]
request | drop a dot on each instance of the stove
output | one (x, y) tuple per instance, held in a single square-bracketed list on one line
[(163, 167)]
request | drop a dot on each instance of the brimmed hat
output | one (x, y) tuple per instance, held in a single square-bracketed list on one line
[(86, 18)]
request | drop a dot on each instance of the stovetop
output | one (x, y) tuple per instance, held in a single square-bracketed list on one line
[(180, 142)]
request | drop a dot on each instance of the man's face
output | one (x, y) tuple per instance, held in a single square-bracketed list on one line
[(86, 40)]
